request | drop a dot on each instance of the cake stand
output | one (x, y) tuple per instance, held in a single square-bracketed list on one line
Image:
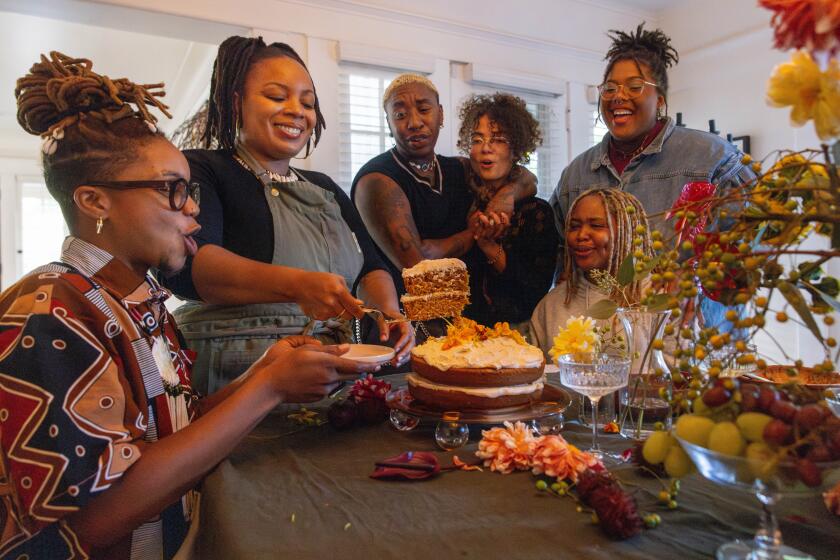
[(407, 413)]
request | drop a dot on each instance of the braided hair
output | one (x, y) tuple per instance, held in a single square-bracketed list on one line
[(622, 225), (652, 48), (91, 124), (235, 57)]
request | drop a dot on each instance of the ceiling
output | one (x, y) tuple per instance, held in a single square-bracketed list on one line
[(652, 6)]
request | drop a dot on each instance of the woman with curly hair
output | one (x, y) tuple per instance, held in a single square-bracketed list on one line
[(645, 153), (512, 271)]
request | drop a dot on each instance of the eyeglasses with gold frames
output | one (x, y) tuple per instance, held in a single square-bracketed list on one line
[(633, 88)]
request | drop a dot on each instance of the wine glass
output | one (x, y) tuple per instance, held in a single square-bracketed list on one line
[(594, 375), (770, 482)]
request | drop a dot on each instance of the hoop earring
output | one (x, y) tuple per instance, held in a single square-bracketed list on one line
[(99, 223)]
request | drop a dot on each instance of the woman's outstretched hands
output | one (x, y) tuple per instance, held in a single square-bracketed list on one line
[(301, 369)]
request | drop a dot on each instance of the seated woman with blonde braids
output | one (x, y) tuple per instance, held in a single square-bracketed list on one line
[(102, 440), (599, 236)]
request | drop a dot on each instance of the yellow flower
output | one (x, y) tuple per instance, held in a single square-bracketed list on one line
[(812, 93), (579, 337)]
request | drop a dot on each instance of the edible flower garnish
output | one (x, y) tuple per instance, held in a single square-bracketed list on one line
[(465, 330)]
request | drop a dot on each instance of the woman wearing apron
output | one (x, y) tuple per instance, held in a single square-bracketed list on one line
[(280, 248)]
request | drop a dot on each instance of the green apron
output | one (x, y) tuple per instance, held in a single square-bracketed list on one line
[(310, 234)]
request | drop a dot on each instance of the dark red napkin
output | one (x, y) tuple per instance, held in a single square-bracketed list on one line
[(400, 467)]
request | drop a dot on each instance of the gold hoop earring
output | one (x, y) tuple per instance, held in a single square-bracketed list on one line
[(99, 223)]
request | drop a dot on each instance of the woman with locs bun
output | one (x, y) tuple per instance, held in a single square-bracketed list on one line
[(103, 438), (644, 153)]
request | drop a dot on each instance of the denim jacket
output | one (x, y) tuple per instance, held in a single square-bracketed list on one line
[(656, 176)]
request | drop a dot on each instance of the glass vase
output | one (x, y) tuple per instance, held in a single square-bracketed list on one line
[(641, 406)]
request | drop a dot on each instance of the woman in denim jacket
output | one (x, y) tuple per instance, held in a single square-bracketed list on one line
[(645, 153)]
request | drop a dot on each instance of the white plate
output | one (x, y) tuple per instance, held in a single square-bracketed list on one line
[(551, 368), (369, 353)]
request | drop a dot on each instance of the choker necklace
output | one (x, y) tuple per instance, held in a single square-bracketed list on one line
[(273, 176), (287, 178), (424, 167)]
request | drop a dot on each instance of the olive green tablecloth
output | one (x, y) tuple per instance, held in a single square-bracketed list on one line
[(288, 492)]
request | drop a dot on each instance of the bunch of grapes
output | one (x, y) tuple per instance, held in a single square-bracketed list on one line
[(789, 428)]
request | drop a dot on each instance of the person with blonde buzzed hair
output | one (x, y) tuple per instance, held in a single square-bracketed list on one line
[(415, 202)]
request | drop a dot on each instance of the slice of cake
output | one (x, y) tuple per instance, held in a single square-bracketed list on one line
[(435, 288), (476, 367)]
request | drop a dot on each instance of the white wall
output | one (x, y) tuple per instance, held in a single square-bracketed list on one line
[(553, 38), (726, 58)]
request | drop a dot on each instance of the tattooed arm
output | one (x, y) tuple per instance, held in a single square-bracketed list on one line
[(387, 215)]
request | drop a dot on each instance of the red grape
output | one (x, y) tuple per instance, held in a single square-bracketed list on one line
[(819, 454), (766, 397), (784, 410), (776, 432), (808, 472), (749, 397), (809, 416), (716, 396)]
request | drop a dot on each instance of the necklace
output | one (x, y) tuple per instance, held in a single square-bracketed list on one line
[(287, 178), (273, 177), (435, 182), (425, 166), (637, 151)]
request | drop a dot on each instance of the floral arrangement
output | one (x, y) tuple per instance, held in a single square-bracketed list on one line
[(465, 330), (514, 447), (364, 404), (806, 24), (744, 247)]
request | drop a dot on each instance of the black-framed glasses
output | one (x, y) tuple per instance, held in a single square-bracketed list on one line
[(633, 88), (178, 190)]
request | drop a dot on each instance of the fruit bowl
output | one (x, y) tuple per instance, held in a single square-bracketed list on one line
[(770, 481), (744, 472)]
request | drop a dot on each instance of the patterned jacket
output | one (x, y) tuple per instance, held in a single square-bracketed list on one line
[(81, 395)]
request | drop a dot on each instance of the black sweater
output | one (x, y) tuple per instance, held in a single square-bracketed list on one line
[(235, 215)]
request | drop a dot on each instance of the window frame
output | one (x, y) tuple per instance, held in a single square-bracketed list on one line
[(346, 167)]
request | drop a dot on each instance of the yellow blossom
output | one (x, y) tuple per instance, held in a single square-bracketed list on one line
[(578, 337), (812, 93)]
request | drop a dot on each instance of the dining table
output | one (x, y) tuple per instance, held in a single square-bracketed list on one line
[(301, 490)]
